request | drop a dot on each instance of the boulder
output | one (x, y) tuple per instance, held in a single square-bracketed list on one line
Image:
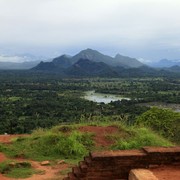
[(45, 163)]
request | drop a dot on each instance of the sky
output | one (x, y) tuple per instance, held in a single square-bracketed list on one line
[(145, 29)]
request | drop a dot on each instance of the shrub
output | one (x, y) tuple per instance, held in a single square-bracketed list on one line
[(16, 169), (142, 137), (164, 121)]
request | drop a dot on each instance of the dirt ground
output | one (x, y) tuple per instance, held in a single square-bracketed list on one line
[(8, 138), (167, 172), (53, 172), (48, 172), (100, 134)]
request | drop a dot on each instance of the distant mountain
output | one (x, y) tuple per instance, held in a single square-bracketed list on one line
[(65, 61), (96, 56), (85, 67), (46, 66), (15, 65), (91, 63), (127, 61), (174, 69), (165, 63)]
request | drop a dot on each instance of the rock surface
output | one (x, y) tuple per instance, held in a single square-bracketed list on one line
[(141, 174), (45, 163)]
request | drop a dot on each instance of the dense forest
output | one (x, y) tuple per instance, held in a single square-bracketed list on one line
[(30, 101)]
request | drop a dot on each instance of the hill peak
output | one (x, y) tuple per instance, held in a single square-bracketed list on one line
[(118, 55)]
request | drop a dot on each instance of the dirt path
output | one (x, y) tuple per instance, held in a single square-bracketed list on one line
[(167, 172), (8, 138), (100, 134), (47, 172)]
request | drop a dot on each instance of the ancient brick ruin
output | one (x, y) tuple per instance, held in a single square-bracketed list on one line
[(116, 165)]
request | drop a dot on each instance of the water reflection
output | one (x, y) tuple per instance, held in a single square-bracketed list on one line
[(102, 97)]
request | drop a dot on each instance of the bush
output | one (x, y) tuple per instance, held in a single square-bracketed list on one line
[(163, 121), (16, 169), (142, 137)]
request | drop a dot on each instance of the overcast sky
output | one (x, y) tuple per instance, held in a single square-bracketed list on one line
[(148, 29)]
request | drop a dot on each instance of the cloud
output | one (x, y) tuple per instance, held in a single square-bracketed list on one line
[(11, 59), (64, 25), (144, 60)]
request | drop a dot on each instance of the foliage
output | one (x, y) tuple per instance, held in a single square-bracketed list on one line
[(25, 106), (16, 169), (163, 121), (72, 145), (140, 138), (50, 145)]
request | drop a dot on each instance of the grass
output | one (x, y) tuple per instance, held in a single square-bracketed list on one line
[(21, 172), (47, 145), (67, 143), (163, 121), (139, 138), (66, 171), (17, 169)]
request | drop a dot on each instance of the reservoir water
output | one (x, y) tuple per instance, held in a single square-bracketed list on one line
[(102, 97)]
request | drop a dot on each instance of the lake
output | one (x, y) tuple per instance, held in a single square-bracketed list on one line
[(102, 97)]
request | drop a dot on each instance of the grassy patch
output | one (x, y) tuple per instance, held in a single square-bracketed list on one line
[(140, 137), (164, 121), (17, 169), (67, 143), (47, 145)]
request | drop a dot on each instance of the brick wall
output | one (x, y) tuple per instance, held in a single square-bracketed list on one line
[(114, 165)]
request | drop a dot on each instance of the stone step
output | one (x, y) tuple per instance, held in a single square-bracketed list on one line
[(83, 166), (77, 172), (71, 176), (87, 160)]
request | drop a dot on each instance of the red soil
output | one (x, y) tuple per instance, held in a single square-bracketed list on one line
[(53, 171), (48, 172), (4, 178), (100, 134), (167, 172), (8, 138), (3, 158)]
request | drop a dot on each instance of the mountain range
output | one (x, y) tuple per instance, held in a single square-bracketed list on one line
[(165, 63), (89, 63)]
